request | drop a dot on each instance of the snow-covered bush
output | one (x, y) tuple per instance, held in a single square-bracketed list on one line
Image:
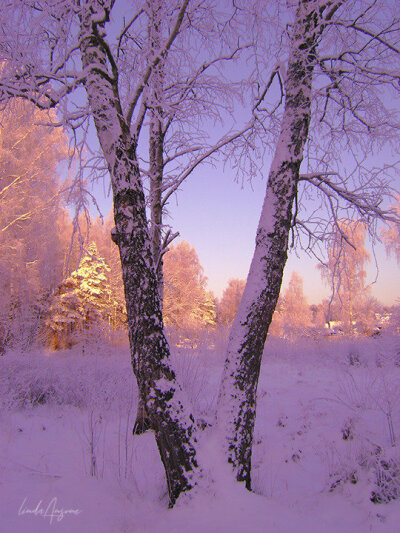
[(66, 380), (387, 480)]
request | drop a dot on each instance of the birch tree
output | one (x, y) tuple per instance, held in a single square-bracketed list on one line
[(53, 51), (183, 92), (391, 235), (321, 94), (31, 217), (345, 272), (179, 109), (175, 109), (62, 55), (341, 67)]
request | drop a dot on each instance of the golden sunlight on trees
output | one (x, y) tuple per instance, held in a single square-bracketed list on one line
[(31, 216), (345, 273), (188, 306), (83, 301), (100, 232), (276, 327), (230, 301)]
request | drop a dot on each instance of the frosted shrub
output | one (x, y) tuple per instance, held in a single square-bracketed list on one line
[(387, 480), (27, 387), (338, 478), (37, 392), (36, 379), (354, 358)]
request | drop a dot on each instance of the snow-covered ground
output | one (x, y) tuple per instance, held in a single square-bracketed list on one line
[(328, 416)]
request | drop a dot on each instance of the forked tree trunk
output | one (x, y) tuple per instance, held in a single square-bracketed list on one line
[(164, 401), (237, 400)]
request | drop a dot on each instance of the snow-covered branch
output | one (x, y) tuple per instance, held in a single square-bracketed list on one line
[(156, 60), (367, 204)]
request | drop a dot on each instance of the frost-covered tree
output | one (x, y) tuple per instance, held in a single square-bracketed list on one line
[(31, 217), (188, 307), (292, 313), (317, 93), (100, 233), (82, 301), (94, 287), (65, 316), (391, 235), (177, 109), (296, 311), (345, 273), (328, 93), (54, 51), (228, 306)]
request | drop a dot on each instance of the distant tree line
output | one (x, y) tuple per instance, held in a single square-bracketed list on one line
[(58, 284)]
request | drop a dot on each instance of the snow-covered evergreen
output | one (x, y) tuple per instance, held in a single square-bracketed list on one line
[(82, 300)]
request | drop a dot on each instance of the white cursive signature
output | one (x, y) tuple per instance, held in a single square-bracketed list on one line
[(50, 512)]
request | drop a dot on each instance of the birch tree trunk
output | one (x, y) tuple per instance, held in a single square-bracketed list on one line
[(156, 167), (237, 399), (160, 393), (156, 141), (156, 179)]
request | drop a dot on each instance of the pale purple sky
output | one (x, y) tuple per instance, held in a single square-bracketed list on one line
[(219, 217)]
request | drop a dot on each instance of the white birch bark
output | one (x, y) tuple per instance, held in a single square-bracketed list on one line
[(156, 166), (160, 393), (156, 141), (237, 399)]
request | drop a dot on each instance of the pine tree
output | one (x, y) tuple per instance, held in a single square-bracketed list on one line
[(83, 300), (100, 232)]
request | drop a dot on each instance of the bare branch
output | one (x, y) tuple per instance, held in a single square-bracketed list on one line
[(162, 53), (365, 204), (221, 144), (126, 29)]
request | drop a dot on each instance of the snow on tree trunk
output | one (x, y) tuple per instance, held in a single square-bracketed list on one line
[(156, 178), (156, 141), (165, 404), (237, 399), (156, 168)]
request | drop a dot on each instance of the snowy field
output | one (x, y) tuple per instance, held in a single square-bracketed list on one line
[(326, 444)]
